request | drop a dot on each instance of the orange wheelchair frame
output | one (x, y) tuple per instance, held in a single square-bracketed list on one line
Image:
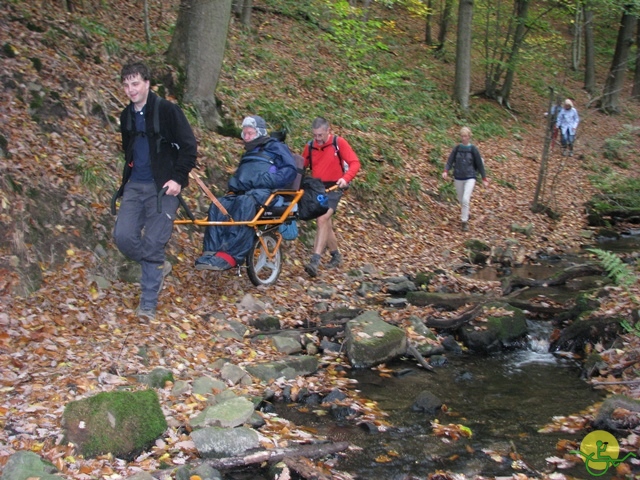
[(264, 260)]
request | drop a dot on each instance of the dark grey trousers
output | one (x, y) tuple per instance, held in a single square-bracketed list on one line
[(141, 234)]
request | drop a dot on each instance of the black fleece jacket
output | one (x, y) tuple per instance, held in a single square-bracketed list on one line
[(174, 155)]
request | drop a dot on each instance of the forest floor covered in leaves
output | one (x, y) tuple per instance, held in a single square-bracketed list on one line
[(57, 343)]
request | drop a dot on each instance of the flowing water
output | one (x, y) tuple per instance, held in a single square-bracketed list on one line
[(504, 399)]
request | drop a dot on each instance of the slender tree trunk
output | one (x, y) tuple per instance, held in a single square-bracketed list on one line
[(615, 79), (246, 14), (576, 42), (495, 50), (428, 37), (444, 23), (237, 7), (635, 91), (589, 51), (522, 13), (147, 29), (542, 173), (198, 47), (462, 83)]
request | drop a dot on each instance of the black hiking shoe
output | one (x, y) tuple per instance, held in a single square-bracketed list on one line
[(336, 260)]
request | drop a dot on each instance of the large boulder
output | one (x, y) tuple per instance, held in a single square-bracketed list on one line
[(618, 413), (122, 423), (24, 465), (498, 333), (289, 367), (369, 340), (216, 442), (231, 413)]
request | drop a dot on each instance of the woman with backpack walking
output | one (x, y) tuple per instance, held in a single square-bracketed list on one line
[(466, 162)]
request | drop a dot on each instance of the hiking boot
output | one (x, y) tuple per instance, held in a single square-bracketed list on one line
[(312, 267), (571, 153), (166, 270), (146, 314), (465, 226), (336, 260)]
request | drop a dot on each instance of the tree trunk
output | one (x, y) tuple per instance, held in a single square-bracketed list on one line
[(246, 14), (202, 28), (444, 23), (428, 38), (495, 49), (522, 13), (542, 173), (589, 51), (147, 28), (635, 91), (462, 83), (615, 79), (176, 53), (237, 7), (576, 42)]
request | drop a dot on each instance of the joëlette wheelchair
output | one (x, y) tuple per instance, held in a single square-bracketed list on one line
[(264, 260)]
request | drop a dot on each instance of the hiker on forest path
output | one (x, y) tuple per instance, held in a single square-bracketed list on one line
[(159, 150), (333, 161), (466, 162), (567, 123)]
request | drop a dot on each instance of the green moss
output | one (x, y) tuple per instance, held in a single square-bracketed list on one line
[(122, 423)]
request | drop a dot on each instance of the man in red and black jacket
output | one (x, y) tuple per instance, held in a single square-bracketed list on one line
[(332, 160)]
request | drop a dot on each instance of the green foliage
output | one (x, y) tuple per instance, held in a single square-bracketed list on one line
[(505, 183), (631, 328), (616, 192), (146, 49), (616, 269), (93, 27), (447, 192), (415, 186), (620, 148), (355, 38), (112, 47), (92, 175)]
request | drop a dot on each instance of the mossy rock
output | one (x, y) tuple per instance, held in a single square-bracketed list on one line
[(122, 423)]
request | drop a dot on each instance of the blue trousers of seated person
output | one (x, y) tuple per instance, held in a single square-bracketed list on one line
[(228, 246)]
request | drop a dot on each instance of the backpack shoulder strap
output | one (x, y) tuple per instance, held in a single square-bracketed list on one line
[(156, 116), (156, 122), (309, 149)]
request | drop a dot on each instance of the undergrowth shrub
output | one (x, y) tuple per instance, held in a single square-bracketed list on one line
[(620, 148), (618, 271)]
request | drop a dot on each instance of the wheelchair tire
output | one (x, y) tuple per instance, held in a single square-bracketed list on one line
[(261, 269)]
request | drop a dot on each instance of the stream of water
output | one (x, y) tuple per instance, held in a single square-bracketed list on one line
[(504, 399)]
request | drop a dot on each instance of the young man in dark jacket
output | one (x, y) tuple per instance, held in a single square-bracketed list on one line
[(160, 150), (266, 165)]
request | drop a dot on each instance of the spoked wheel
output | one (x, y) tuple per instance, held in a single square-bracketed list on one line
[(264, 261)]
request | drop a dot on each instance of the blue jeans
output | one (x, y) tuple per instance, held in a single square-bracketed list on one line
[(141, 234), (566, 139)]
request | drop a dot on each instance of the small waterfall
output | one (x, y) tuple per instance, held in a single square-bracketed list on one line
[(537, 350)]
